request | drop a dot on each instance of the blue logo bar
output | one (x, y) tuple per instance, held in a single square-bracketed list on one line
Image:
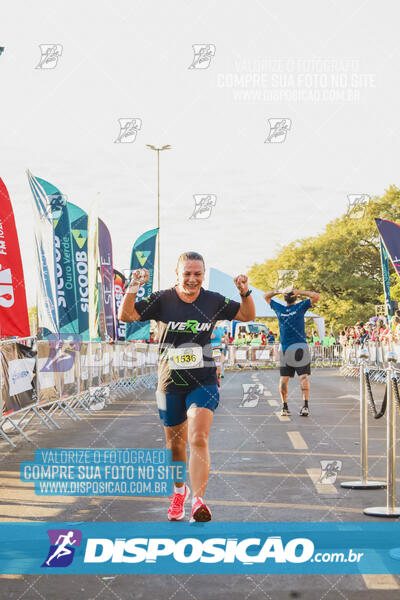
[(156, 548)]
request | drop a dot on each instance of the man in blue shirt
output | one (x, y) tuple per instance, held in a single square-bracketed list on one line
[(294, 356)]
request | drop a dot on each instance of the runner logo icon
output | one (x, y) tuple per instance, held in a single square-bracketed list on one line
[(203, 53), (50, 53), (62, 550), (128, 129), (329, 470), (357, 204), (251, 394), (203, 205), (278, 129)]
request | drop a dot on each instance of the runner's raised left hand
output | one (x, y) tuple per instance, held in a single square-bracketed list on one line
[(242, 283)]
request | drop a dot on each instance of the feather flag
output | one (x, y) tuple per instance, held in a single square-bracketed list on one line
[(45, 257), (143, 255), (107, 280), (93, 267), (79, 235), (14, 319)]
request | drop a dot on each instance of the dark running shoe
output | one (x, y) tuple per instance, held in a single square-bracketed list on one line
[(304, 412)]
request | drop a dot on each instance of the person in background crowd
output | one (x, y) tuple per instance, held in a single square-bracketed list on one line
[(351, 335), (216, 344), (271, 342), (315, 338), (373, 333), (395, 324), (240, 340), (256, 341), (154, 336), (369, 330), (295, 356), (383, 330), (263, 338), (325, 340), (332, 338), (225, 348), (363, 333)]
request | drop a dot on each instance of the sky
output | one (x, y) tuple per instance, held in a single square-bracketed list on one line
[(327, 72)]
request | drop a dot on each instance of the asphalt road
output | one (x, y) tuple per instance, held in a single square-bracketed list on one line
[(263, 469)]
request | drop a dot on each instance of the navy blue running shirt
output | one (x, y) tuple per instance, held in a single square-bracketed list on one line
[(184, 331), (291, 322)]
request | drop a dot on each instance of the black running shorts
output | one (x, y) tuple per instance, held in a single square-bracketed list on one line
[(295, 360)]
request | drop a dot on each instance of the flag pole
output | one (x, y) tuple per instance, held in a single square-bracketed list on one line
[(158, 150)]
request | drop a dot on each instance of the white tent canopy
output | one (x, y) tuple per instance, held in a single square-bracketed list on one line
[(223, 283)]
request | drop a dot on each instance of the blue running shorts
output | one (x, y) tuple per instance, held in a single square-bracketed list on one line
[(173, 408)]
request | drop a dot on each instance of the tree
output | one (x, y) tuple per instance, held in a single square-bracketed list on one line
[(342, 262)]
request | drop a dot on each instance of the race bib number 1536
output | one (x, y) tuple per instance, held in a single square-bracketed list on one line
[(185, 358)]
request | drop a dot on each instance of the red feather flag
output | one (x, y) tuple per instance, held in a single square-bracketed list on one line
[(14, 319)]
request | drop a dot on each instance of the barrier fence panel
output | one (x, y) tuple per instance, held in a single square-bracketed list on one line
[(377, 355), (48, 379), (269, 355), (377, 360)]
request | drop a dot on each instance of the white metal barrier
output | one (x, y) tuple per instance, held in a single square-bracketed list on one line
[(44, 378), (376, 353), (391, 399), (269, 355)]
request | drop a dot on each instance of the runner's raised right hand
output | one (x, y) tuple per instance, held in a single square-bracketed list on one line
[(139, 277)]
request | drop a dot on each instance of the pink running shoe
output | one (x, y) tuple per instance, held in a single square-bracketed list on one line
[(200, 512), (176, 510)]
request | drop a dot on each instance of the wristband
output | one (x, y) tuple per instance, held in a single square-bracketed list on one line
[(247, 294), (136, 285)]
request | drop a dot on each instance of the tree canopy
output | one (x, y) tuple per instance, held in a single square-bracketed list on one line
[(342, 263)]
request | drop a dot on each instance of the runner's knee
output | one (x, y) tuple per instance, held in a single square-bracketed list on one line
[(199, 439), (304, 382), (176, 443), (283, 385)]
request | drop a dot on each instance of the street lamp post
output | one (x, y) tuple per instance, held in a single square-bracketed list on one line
[(158, 150)]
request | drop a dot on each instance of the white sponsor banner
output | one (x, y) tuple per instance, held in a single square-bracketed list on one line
[(106, 363), (262, 354), (46, 378), (84, 367), (69, 376), (129, 359), (20, 373), (241, 354)]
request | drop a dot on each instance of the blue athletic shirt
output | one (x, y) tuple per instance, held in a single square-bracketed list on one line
[(219, 333), (291, 322)]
